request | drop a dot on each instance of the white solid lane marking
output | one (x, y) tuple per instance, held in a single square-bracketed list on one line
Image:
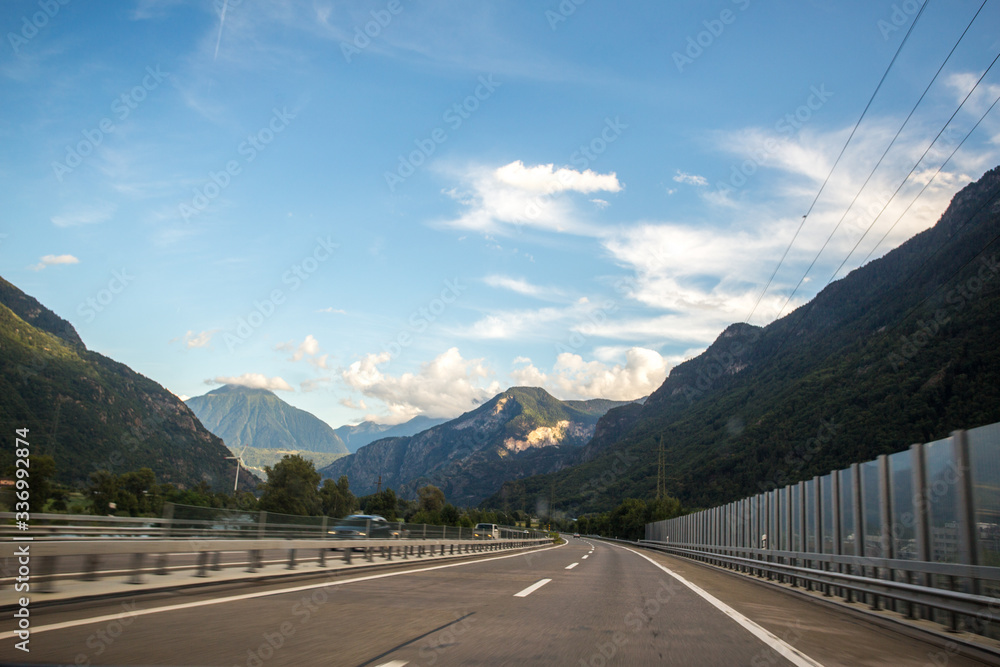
[(532, 588), (787, 651), (249, 596), (570, 567), (393, 663)]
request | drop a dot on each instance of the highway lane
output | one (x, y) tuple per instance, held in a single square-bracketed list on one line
[(612, 607)]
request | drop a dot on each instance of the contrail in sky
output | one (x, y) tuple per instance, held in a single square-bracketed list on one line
[(222, 19)]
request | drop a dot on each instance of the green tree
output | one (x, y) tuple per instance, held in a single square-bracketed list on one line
[(431, 498), (336, 497), (383, 503), (137, 492), (42, 469), (102, 491), (449, 515), (292, 487)]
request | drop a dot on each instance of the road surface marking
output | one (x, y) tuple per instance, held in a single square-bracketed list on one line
[(787, 651), (586, 557), (106, 618), (570, 567), (532, 588), (393, 663)]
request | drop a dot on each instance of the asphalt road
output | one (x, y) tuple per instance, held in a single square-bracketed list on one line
[(600, 605)]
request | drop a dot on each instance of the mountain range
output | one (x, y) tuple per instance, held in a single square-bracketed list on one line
[(903, 349), (92, 413), (359, 435), (520, 432)]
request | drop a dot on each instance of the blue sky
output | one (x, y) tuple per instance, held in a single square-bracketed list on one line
[(383, 209)]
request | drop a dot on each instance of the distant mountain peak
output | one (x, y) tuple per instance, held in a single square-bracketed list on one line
[(518, 432), (253, 417)]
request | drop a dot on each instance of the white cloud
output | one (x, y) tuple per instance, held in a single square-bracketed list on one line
[(520, 286), (600, 203), (571, 377), (546, 179), (519, 324), (447, 386), (331, 309), (503, 199), (350, 403), (690, 179), (53, 260), (200, 340), (307, 349), (253, 381), (85, 216)]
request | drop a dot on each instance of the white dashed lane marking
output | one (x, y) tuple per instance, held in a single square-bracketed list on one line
[(532, 588)]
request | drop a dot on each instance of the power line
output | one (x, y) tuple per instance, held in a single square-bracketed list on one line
[(886, 152), (902, 183), (915, 198), (837, 161)]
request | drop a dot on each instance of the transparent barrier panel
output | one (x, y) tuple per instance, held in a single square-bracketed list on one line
[(941, 497), (796, 518), (984, 460), (826, 487), (901, 491), (870, 509), (810, 544), (848, 539)]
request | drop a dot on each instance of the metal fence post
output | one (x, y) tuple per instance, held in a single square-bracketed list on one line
[(968, 548), (787, 504), (885, 512), (838, 542), (818, 518), (885, 507), (921, 517), (168, 518)]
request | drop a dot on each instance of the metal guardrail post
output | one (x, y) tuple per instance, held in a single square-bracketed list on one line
[(347, 555), (46, 572), (261, 524), (161, 565), (90, 564), (202, 564), (322, 557)]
